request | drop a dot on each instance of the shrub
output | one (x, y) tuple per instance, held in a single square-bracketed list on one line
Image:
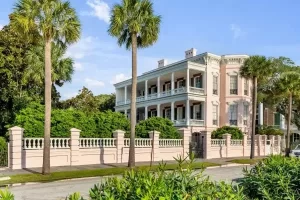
[(109, 121), (275, 177), (235, 132), (269, 130), (164, 126), (3, 144), (159, 185)]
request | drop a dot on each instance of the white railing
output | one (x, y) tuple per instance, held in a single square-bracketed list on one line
[(119, 103), (86, 143), (139, 99), (179, 122), (152, 96), (139, 142), (196, 122), (218, 142), (170, 142), (165, 93), (236, 142), (179, 90), (197, 90), (38, 143)]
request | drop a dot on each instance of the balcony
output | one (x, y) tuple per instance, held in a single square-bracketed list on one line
[(197, 90), (166, 93), (192, 122)]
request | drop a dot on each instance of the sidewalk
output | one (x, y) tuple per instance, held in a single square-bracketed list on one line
[(8, 172)]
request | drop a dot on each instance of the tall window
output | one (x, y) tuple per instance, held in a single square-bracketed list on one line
[(168, 113), (215, 115), (246, 114), (180, 84), (234, 84), (233, 114), (246, 87), (277, 119), (168, 86), (215, 85), (198, 81), (179, 113), (198, 111)]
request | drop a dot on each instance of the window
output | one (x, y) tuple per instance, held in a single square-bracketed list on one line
[(168, 86), (246, 114), (277, 119), (246, 87), (233, 114), (198, 81), (168, 113), (198, 111), (153, 113), (180, 84), (153, 90), (233, 84), (179, 113), (215, 115), (215, 85)]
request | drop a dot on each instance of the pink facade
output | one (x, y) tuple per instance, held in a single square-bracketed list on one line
[(74, 151)]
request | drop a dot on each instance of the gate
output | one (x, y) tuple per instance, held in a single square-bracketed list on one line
[(3, 157), (197, 145)]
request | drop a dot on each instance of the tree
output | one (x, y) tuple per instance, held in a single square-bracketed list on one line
[(54, 21), (134, 24), (256, 68), (235, 132)]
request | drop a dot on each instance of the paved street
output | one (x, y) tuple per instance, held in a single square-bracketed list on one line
[(59, 190)]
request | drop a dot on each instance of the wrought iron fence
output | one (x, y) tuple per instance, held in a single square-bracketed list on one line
[(3, 157)]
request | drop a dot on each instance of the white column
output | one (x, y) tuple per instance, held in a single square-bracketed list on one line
[(172, 83), (125, 112), (158, 86), (172, 111), (125, 94), (260, 114), (158, 110), (146, 89), (146, 112), (187, 79), (187, 113)]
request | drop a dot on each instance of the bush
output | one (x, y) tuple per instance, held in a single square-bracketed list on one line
[(159, 185), (235, 132), (164, 126), (275, 177), (269, 130), (3, 144)]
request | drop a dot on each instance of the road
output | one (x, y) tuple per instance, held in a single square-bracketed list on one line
[(60, 189)]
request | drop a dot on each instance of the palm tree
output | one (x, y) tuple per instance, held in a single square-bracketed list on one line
[(288, 86), (134, 24), (256, 68), (54, 21)]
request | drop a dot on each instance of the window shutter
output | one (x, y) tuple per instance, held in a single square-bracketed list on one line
[(175, 113), (276, 119), (192, 112), (164, 114), (192, 82), (200, 110), (183, 112)]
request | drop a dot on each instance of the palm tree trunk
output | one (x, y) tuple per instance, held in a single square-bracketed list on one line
[(287, 148), (254, 108), (47, 125), (131, 161)]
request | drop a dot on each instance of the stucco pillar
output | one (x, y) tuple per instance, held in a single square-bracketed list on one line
[(206, 145), (245, 145), (119, 135), (227, 138), (154, 135), (186, 139), (260, 114), (172, 111), (146, 112), (125, 94), (74, 147), (172, 83), (15, 148), (146, 89), (280, 148), (188, 80), (272, 139), (187, 115), (158, 86), (158, 110)]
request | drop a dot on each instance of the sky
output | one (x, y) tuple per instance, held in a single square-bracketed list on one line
[(253, 27)]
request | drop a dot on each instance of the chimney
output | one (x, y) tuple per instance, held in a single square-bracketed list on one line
[(162, 63), (190, 53)]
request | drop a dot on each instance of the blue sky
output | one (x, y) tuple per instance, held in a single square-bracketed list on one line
[(270, 28)]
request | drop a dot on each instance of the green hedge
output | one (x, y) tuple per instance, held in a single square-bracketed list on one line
[(164, 126), (269, 130), (235, 132)]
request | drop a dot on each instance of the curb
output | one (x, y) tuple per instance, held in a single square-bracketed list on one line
[(228, 165)]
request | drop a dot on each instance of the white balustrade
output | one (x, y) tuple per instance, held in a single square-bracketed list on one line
[(236, 142), (196, 122), (218, 142), (179, 90), (165, 93), (38, 143), (86, 143), (139, 99), (139, 142), (197, 90), (170, 142), (152, 96), (119, 103), (179, 122)]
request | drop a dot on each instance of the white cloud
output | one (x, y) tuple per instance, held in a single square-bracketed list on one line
[(237, 31), (93, 83), (119, 78), (78, 66), (1, 26), (100, 9)]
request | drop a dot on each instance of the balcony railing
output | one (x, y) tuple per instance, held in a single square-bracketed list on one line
[(152, 96), (139, 99), (192, 122), (166, 93), (196, 122), (197, 90), (179, 90)]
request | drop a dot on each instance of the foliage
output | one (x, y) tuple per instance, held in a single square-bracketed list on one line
[(6, 195), (3, 144), (275, 177), (181, 183), (235, 132), (162, 125), (269, 130)]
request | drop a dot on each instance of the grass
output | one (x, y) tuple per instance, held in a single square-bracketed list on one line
[(55, 176), (246, 161)]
